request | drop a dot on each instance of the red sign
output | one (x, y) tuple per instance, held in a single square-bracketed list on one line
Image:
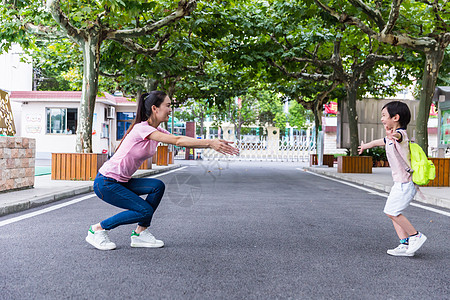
[(433, 110), (331, 108)]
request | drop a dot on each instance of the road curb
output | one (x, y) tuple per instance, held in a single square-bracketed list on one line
[(377, 186), (68, 193)]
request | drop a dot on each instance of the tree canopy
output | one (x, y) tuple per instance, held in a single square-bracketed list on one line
[(307, 51)]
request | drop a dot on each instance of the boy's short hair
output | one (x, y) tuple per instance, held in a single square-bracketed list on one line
[(400, 109)]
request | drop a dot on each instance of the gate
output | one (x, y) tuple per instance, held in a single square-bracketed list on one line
[(297, 148)]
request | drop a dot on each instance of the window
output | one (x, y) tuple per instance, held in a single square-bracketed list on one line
[(124, 121), (105, 131), (61, 120), (213, 132)]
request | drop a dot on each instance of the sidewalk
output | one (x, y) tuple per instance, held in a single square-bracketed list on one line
[(46, 190), (381, 179)]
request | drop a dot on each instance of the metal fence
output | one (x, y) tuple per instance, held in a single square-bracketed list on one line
[(297, 148)]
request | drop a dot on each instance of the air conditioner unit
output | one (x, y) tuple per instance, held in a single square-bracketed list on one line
[(110, 112)]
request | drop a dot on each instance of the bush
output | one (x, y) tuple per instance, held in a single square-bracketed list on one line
[(377, 153)]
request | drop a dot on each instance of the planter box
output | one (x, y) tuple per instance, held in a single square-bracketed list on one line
[(354, 164), (162, 156), (76, 166), (171, 158), (146, 165), (328, 160), (442, 166), (380, 164)]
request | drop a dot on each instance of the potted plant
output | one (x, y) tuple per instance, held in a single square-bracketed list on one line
[(378, 155)]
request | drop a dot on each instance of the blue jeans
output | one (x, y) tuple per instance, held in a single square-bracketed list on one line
[(126, 195)]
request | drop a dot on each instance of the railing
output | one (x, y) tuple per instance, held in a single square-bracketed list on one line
[(297, 149)]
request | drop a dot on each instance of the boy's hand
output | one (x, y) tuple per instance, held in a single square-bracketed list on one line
[(391, 134), (361, 148)]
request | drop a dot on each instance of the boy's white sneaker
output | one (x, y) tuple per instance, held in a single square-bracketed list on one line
[(100, 239), (400, 251), (145, 239), (415, 242)]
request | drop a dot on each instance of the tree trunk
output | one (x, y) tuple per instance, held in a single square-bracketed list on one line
[(353, 118), (433, 61), (202, 121), (151, 85), (238, 130), (91, 59), (318, 112)]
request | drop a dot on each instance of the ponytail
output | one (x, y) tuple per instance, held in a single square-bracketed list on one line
[(144, 108)]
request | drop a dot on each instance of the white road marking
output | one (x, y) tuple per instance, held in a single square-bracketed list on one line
[(45, 210), (165, 173), (370, 191), (58, 206)]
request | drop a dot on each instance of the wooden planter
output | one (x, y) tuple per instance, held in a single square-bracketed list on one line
[(171, 158), (381, 164), (76, 166), (442, 166), (146, 165), (162, 156), (354, 164), (328, 160)]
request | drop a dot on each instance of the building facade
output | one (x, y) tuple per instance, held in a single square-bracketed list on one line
[(51, 118), (17, 73)]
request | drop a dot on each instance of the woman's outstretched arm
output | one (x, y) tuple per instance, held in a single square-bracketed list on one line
[(221, 146)]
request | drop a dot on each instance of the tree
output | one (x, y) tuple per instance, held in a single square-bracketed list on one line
[(298, 115), (335, 59), (137, 26), (302, 46), (196, 110), (421, 26), (241, 113), (269, 106)]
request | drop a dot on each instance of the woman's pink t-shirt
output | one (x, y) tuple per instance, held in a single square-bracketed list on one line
[(133, 151)]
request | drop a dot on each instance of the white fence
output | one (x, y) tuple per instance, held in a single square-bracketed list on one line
[(297, 149)]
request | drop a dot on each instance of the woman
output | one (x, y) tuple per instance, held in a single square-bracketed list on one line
[(115, 186)]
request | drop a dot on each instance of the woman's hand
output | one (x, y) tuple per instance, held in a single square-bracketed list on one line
[(224, 147)]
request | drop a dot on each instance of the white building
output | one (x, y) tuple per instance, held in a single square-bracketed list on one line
[(51, 118), (16, 75)]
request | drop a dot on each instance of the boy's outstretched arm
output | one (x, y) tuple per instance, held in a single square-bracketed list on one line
[(372, 144)]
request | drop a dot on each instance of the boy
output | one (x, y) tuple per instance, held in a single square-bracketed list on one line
[(395, 116)]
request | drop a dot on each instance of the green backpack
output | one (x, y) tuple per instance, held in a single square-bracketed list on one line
[(423, 168)]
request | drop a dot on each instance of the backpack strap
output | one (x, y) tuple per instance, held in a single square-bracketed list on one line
[(402, 160), (419, 191), (408, 169)]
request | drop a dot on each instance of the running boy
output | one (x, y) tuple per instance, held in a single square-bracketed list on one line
[(395, 116)]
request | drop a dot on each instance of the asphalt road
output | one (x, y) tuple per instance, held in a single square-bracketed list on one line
[(232, 231)]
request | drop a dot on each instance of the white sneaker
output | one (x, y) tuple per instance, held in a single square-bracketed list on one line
[(400, 251), (100, 239), (415, 242), (145, 239)]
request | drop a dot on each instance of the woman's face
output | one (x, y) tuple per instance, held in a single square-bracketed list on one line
[(162, 113)]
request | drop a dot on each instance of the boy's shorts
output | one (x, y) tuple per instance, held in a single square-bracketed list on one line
[(399, 198)]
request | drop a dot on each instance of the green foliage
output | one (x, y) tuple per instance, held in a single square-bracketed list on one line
[(258, 106), (222, 51), (298, 115), (377, 153)]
